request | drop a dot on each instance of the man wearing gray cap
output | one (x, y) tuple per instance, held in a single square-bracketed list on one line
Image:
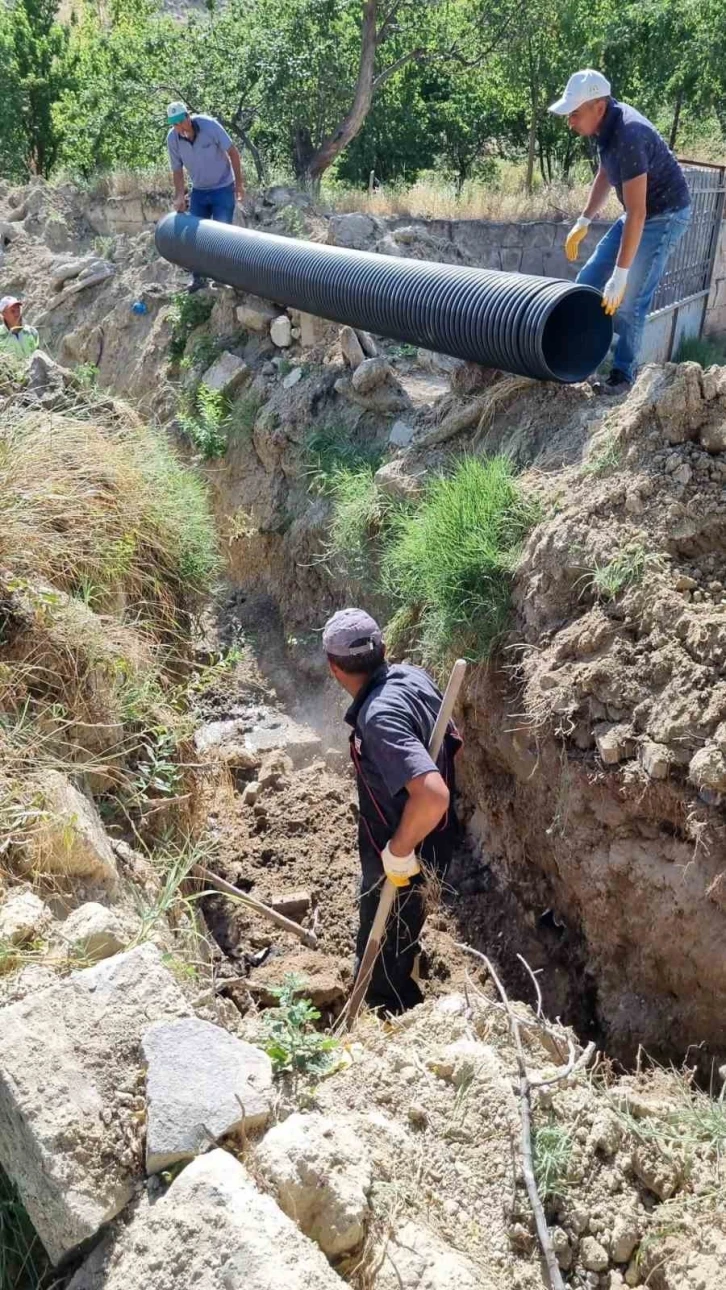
[(406, 821)]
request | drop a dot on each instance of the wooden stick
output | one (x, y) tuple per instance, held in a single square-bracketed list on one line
[(308, 938), (526, 1084), (388, 891)]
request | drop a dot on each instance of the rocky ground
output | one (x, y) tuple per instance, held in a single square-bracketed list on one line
[(593, 786)]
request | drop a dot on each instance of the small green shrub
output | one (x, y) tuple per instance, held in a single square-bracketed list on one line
[(186, 537), (242, 415), (552, 1150), (87, 376), (290, 1039), (451, 558), (204, 420), (700, 349), (330, 448), (186, 313)]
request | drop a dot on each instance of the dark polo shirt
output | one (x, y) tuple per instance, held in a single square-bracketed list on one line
[(630, 146)]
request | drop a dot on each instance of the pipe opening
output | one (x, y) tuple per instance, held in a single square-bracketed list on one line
[(576, 335)]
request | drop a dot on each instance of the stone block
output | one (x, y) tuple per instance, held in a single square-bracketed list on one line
[(367, 343), (23, 917), (255, 314), (532, 261), (226, 374), (511, 259), (416, 1259), (292, 378), (94, 931), (401, 434), (707, 768), (555, 264), (355, 230), (394, 480), (314, 331), (68, 838), (281, 332), (212, 1230), (351, 348), (66, 1053), (201, 1084), (321, 1173), (371, 373), (539, 235), (655, 759)]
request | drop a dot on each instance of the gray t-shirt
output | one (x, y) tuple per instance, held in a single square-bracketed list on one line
[(205, 157)]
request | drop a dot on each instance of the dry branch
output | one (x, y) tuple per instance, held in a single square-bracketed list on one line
[(526, 1084)]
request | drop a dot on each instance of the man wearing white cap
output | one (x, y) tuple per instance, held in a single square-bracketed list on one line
[(202, 146), (15, 339), (406, 817), (628, 263)]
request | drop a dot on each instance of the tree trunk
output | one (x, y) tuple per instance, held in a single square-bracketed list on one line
[(533, 122), (354, 120), (676, 120)]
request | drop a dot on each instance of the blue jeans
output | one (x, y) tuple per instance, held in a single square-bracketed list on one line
[(661, 234), (213, 203)]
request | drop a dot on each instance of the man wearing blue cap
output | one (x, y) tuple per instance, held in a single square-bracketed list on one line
[(628, 262), (202, 146), (406, 824)]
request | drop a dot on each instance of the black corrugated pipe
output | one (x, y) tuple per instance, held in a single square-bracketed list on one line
[(539, 327)]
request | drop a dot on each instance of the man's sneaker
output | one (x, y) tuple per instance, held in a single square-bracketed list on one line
[(616, 383), (196, 284)]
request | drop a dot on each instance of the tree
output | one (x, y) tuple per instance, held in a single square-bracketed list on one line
[(34, 54)]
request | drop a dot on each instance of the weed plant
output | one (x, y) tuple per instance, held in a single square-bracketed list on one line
[(626, 569), (450, 559), (358, 525), (204, 419), (290, 1039), (187, 312), (24, 1265), (330, 449), (551, 1150)]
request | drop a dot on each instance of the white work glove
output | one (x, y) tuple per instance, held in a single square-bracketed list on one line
[(612, 296), (400, 869), (575, 236)]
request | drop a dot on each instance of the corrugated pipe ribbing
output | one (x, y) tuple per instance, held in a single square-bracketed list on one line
[(539, 327)]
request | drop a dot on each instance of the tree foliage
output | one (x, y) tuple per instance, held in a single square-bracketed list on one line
[(393, 86)]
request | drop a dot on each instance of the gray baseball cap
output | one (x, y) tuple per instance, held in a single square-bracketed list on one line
[(351, 633)]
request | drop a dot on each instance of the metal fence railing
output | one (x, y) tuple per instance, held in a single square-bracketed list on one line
[(689, 270)]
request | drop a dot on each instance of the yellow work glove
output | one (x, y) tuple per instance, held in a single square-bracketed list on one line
[(575, 236), (399, 869), (612, 296)]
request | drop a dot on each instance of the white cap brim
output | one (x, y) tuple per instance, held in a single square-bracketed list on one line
[(563, 106)]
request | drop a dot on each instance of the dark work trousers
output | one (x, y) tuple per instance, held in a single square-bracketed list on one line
[(392, 988)]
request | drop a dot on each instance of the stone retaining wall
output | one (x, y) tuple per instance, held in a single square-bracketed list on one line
[(537, 246)]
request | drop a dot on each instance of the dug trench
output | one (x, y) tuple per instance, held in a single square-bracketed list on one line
[(593, 773), (284, 830)]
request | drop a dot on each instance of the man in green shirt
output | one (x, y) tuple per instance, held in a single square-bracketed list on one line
[(15, 339)]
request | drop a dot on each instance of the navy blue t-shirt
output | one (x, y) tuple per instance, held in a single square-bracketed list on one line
[(393, 719), (630, 146)]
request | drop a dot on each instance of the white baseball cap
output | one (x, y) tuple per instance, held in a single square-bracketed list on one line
[(581, 88), (7, 302), (176, 112)]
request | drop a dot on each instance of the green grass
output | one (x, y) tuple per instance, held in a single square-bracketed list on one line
[(552, 1150), (24, 1265), (242, 415), (330, 449), (185, 529), (451, 558), (204, 420), (699, 349), (607, 457), (356, 534)]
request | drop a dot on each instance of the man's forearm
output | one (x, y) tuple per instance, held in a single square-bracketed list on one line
[(428, 801), (598, 194), (178, 177), (236, 162), (630, 240)]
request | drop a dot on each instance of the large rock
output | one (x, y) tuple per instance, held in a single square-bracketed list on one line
[(68, 837), (370, 374), (351, 348), (708, 768), (394, 480), (321, 1172), (355, 230), (226, 374), (201, 1084), (94, 931), (212, 1230), (68, 1056), (256, 314), (23, 917), (416, 1259), (281, 332)]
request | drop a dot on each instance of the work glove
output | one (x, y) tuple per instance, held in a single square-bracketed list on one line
[(400, 869), (575, 236), (612, 296)]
